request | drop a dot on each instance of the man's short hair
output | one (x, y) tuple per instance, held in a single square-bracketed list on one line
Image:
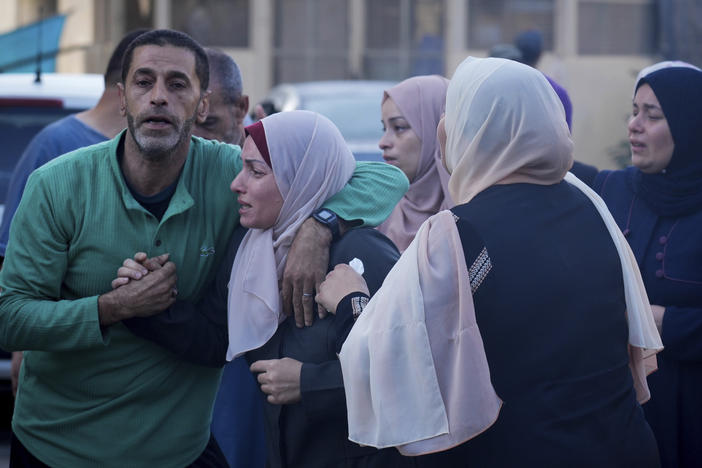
[(224, 69), (164, 37), (113, 72)]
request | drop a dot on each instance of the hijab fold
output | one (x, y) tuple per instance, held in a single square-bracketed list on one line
[(310, 162), (421, 101)]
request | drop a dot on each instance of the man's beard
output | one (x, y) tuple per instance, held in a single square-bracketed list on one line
[(155, 148)]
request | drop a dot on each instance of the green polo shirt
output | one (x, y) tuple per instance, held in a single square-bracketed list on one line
[(92, 396)]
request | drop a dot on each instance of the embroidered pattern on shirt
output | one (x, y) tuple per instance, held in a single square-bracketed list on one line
[(358, 304), (206, 251), (479, 270), (455, 218)]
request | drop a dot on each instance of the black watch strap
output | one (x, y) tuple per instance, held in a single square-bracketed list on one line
[(329, 219)]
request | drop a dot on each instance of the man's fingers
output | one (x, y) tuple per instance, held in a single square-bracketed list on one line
[(140, 256), (308, 302), (137, 267), (286, 293), (121, 281), (162, 259), (130, 273), (298, 308)]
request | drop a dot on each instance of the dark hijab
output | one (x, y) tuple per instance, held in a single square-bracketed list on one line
[(677, 191)]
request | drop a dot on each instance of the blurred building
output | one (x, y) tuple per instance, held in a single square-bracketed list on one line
[(594, 48)]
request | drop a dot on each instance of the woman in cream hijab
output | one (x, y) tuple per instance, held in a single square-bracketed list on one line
[(515, 322)]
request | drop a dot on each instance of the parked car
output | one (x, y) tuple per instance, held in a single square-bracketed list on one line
[(27, 106), (353, 106)]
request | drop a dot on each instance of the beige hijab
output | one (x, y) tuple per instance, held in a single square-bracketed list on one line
[(415, 372), (310, 162), (504, 124), (421, 100)]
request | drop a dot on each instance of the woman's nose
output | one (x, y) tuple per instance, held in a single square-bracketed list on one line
[(634, 125), (384, 142)]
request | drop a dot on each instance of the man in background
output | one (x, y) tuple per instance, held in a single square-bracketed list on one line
[(530, 44), (228, 103)]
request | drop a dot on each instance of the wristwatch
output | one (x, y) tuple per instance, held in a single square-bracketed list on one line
[(329, 219)]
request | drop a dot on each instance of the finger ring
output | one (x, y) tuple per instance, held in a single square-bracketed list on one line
[(174, 292), (307, 294)]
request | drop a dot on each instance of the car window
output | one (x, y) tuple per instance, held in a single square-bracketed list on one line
[(17, 127), (358, 117)]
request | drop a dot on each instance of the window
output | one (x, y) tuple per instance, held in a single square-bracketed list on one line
[(404, 38), (492, 22), (216, 23), (138, 14), (616, 27), (311, 40)]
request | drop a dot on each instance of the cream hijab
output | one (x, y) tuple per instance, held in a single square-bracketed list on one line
[(310, 162), (502, 126), (421, 100), (415, 372)]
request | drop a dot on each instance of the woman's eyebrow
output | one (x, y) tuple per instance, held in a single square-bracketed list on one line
[(398, 117), (251, 160)]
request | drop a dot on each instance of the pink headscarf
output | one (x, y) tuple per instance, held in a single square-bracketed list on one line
[(421, 100), (310, 162)]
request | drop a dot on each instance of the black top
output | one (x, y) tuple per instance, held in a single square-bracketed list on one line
[(314, 432), (549, 301)]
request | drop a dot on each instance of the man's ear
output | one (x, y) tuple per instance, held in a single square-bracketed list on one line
[(242, 106), (122, 100), (204, 107)]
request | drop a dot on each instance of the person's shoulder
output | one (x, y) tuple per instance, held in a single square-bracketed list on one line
[(214, 149), (584, 172), (77, 159), (57, 128), (613, 179), (362, 242), (363, 235), (211, 156)]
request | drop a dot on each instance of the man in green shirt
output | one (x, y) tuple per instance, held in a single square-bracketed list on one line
[(91, 393)]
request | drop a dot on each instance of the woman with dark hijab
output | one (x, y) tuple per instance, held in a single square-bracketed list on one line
[(657, 203)]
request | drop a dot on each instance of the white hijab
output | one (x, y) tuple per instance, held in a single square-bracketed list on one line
[(310, 162), (415, 371)]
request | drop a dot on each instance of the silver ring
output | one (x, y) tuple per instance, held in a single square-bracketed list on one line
[(307, 294)]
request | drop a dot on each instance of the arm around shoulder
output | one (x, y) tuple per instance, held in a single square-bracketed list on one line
[(371, 194)]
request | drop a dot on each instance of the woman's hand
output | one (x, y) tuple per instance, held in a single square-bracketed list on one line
[(137, 268), (279, 380), (340, 282)]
